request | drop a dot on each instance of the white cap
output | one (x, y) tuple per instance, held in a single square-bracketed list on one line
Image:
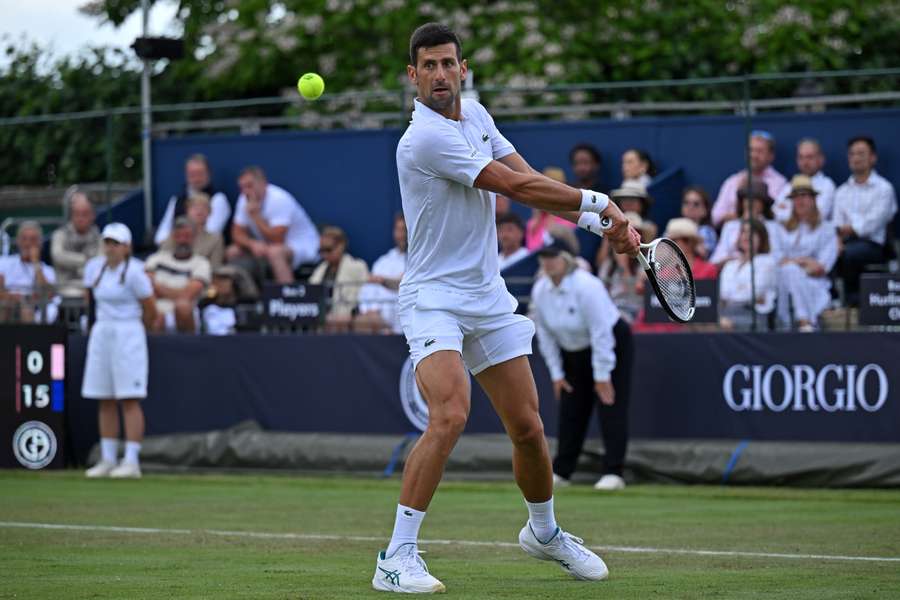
[(118, 232)]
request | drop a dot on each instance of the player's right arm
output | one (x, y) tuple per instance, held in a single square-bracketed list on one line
[(539, 191)]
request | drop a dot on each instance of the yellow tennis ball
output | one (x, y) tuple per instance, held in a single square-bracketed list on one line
[(311, 86)]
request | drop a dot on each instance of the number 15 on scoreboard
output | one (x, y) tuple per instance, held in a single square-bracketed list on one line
[(30, 392)]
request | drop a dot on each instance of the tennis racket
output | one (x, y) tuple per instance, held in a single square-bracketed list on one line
[(669, 274)]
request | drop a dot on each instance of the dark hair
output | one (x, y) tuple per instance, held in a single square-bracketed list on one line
[(254, 170), (758, 190), (511, 218), (757, 227), (430, 35), (865, 140), (335, 233), (704, 197), (586, 148), (644, 157)]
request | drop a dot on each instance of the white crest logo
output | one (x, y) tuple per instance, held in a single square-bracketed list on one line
[(34, 445), (414, 405)]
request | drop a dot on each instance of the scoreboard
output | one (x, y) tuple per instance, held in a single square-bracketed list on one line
[(32, 396)]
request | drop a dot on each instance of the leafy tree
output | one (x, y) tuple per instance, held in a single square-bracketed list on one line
[(254, 48)]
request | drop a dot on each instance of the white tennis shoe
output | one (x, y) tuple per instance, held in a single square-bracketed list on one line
[(101, 469), (566, 550), (126, 470), (610, 482), (405, 572), (560, 482)]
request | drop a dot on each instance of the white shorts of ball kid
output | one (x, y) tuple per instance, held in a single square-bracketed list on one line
[(482, 327), (117, 364)]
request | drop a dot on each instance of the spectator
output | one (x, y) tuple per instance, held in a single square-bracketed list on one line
[(378, 297), (26, 283), (116, 366), (211, 246), (695, 206), (217, 313), (762, 153), (633, 197), (740, 279), (589, 351), (810, 161), (198, 179), (270, 229), (809, 250), (342, 275), (586, 162), (536, 234), (686, 234), (756, 204), (637, 168), (511, 235), (178, 278), (864, 206), (73, 244)]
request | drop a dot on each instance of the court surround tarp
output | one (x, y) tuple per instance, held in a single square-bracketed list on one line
[(479, 456)]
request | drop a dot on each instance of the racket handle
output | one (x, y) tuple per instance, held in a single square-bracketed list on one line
[(643, 260), (605, 223)]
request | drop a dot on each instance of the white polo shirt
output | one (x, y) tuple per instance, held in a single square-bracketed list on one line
[(281, 209), (576, 314), (118, 298), (18, 275), (452, 235)]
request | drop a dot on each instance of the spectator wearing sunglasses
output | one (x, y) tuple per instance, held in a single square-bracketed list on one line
[(342, 275), (762, 153), (695, 206)]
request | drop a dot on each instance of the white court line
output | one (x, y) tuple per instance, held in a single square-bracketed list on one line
[(361, 538)]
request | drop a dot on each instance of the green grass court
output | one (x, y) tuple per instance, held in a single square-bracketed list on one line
[(233, 536)]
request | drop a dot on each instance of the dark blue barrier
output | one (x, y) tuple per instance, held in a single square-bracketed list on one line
[(667, 187), (349, 178), (685, 386)]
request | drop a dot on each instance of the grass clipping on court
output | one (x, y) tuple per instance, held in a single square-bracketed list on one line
[(316, 538)]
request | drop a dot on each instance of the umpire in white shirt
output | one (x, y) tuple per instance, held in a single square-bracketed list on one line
[(589, 351)]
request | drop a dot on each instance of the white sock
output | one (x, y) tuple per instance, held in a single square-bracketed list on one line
[(542, 519), (406, 528), (131, 452), (108, 449)]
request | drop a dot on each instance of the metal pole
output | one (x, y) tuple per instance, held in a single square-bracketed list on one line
[(749, 200), (109, 165), (146, 124)]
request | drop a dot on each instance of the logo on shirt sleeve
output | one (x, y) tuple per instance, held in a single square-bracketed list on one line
[(484, 137)]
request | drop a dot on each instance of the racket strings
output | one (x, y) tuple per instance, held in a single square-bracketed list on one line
[(674, 279)]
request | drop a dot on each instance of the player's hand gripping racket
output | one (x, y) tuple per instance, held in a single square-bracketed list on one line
[(669, 274)]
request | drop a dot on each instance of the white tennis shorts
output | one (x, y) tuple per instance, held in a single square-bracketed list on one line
[(483, 328), (117, 364)]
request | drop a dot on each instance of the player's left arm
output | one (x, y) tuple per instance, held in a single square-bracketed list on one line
[(517, 162)]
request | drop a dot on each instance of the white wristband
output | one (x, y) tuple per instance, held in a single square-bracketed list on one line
[(592, 201), (590, 221)]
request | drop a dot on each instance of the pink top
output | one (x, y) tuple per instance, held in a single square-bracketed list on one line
[(727, 200), (536, 229)]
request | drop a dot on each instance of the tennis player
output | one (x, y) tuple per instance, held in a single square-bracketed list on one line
[(455, 310)]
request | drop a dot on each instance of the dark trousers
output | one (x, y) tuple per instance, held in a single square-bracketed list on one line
[(575, 408), (857, 254)]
